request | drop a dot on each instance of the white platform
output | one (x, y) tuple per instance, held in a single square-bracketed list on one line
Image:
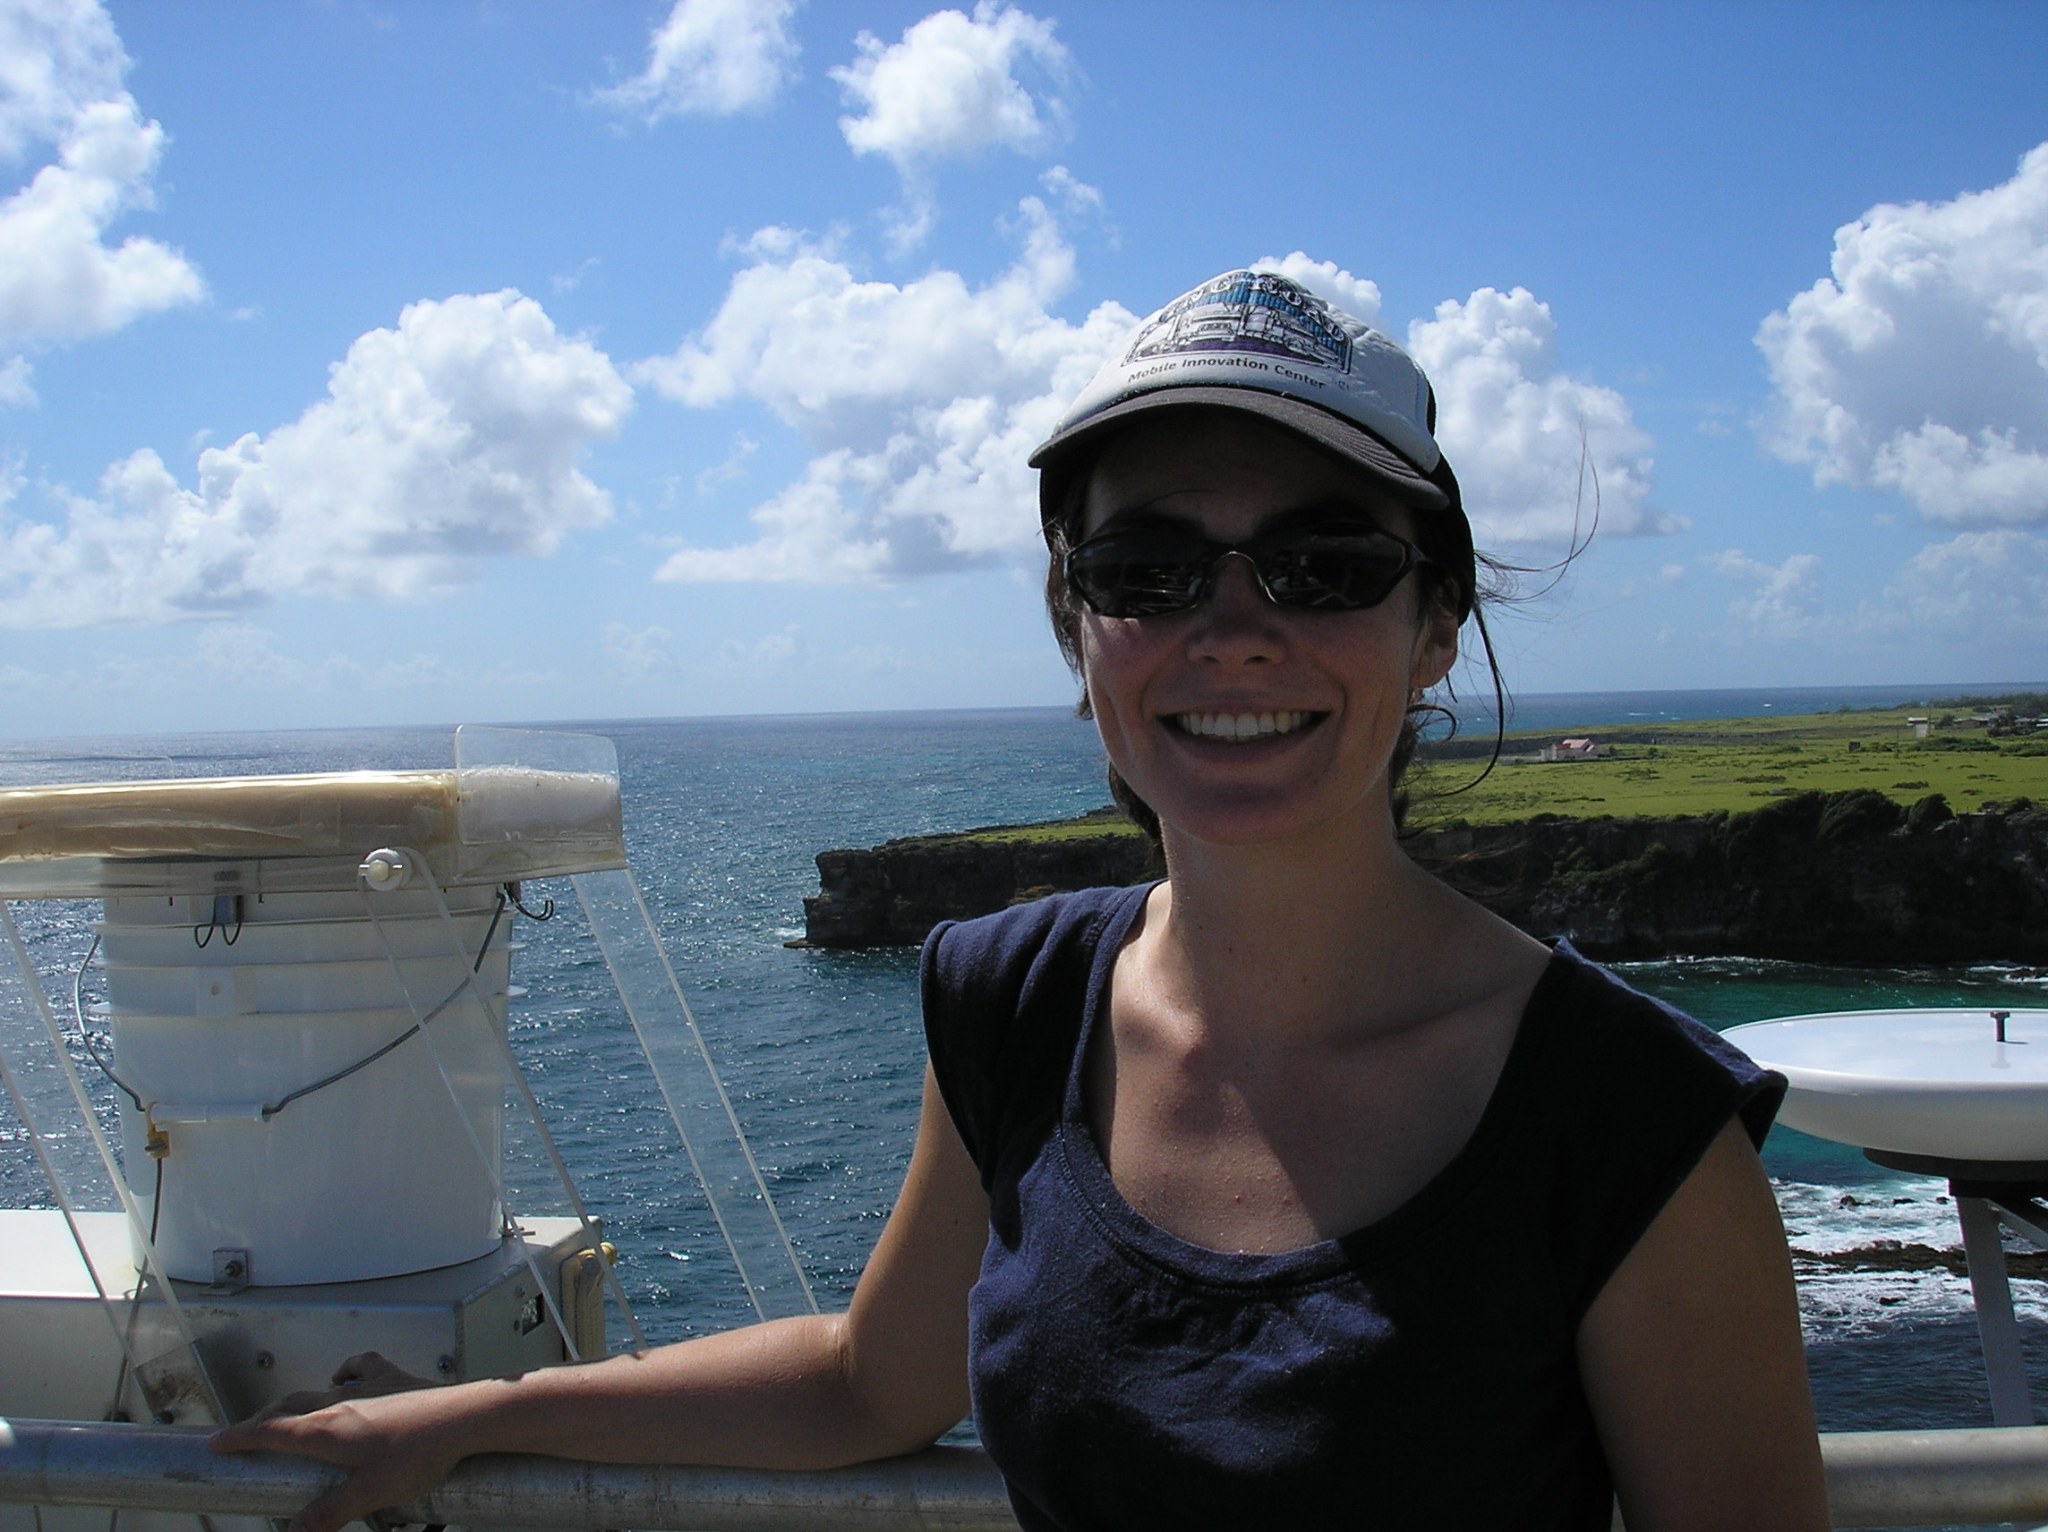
[(1926, 1082), (59, 1359), (478, 1319)]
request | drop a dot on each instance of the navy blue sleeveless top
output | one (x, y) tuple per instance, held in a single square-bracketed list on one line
[(1417, 1372)]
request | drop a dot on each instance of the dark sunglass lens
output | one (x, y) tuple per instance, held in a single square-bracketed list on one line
[(1333, 571), (1138, 575)]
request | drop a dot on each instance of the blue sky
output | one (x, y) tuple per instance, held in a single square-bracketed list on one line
[(414, 363)]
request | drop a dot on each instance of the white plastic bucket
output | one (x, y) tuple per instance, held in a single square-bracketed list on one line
[(371, 1175), (294, 928), (243, 989)]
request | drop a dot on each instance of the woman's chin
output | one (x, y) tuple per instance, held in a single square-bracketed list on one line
[(1283, 822)]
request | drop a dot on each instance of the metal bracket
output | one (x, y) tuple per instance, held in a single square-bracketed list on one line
[(230, 1270)]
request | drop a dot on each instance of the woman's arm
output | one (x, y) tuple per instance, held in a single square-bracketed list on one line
[(886, 1377), (1692, 1360)]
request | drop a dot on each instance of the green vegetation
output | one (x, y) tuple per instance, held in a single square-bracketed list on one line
[(1104, 821), (1733, 765)]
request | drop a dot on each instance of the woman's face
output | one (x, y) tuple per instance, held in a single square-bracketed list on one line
[(1240, 721)]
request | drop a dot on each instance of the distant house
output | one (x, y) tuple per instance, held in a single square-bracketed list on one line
[(1918, 726), (1574, 750)]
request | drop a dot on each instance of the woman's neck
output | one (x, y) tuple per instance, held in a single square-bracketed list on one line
[(1321, 932)]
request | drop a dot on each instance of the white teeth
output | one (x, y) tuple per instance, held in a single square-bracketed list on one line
[(1236, 726)]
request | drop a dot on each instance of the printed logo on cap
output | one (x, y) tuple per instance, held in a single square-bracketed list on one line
[(1241, 311)]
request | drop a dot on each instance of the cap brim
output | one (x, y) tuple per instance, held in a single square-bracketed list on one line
[(1331, 433)]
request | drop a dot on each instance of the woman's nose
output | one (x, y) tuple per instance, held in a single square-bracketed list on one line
[(1237, 622)]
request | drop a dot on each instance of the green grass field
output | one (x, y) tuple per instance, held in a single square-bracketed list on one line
[(1715, 766), (1736, 764), (1103, 821)]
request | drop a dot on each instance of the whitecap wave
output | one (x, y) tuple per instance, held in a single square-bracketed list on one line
[(1873, 1258)]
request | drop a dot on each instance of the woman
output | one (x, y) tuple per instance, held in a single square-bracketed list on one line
[(1296, 1186)]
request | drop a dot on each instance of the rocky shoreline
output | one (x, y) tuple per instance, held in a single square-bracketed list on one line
[(1816, 877)]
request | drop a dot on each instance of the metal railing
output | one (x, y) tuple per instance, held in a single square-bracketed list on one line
[(1875, 1479), (944, 1489)]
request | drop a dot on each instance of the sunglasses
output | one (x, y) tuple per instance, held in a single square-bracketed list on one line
[(1155, 571)]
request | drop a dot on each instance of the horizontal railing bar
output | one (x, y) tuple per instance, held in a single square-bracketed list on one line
[(1913, 1478), (128, 1467), (1875, 1479)]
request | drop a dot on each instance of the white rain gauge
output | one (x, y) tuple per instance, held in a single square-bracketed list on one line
[(306, 986)]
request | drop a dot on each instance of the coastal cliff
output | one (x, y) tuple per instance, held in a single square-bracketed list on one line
[(1817, 877), (893, 894)]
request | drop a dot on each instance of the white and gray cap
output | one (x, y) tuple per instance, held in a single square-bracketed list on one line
[(1262, 343)]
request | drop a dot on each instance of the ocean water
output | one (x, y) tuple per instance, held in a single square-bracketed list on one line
[(821, 1051)]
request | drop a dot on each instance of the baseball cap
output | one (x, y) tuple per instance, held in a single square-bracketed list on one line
[(1262, 343)]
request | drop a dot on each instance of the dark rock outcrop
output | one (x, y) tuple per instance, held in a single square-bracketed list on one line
[(1845, 877), (895, 893)]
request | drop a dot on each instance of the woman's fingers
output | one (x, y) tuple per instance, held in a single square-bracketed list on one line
[(248, 1435), (335, 1508), (383, 1468), (359, 1497), (303, 1402), (280, 1428)]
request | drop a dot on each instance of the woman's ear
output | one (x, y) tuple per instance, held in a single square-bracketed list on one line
[(1436, 642)]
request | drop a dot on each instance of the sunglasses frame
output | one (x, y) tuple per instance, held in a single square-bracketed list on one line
[(1209, 556)]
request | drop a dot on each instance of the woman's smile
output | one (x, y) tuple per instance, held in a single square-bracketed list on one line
[(1236, 727)]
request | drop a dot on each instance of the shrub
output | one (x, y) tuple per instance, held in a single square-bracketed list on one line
[(1928, 812), (1854, 815)]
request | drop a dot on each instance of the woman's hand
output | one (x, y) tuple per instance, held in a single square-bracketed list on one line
[(395, 1433)]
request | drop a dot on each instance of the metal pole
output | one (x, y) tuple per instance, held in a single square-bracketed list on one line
[(1875, 1479), (943, 1489), (2005, 1369)]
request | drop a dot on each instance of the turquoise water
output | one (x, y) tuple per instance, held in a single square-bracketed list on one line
[(822, 1054)]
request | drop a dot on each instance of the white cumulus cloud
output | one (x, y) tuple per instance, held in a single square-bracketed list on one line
[(920, 401), (60, 90), (1357, 296), (17, 382), (1782, 600), (447, 441), (1921, 364), (1518, 431), (711, 58), (56, 58), (59, 278), (953, 88), (639, 651), (1978, 583), (812, 533), (772, 652)]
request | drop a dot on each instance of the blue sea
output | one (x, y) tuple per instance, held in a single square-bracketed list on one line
[(821, 1051)]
